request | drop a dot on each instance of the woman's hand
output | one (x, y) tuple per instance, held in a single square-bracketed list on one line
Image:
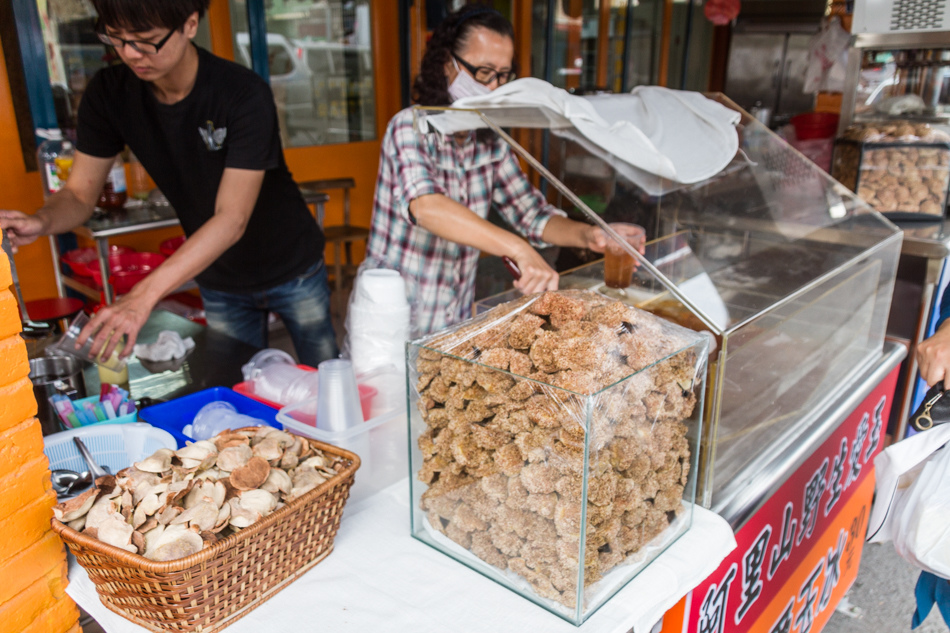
[(536, 275), (595, 238), (933, 356)]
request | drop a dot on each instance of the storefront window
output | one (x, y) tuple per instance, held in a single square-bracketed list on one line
[(564, 43), (74, 53), (635, 38), (320, 61)]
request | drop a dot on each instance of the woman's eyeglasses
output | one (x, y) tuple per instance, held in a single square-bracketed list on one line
[(485, 75)]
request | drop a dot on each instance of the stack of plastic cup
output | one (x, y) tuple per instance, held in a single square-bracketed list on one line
[(217, 416), (338, 403)]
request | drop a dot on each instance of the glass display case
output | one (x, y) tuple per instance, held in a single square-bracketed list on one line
[(786, 269), (554, 443)]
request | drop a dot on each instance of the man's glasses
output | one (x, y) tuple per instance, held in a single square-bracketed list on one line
[(485, 75), (139, 46)]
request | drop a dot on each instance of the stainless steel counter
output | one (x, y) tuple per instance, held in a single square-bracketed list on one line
[(763, 477)]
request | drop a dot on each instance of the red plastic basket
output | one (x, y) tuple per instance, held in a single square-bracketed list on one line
[(80, 260), (169, 246), (128, 269), (815, 125)]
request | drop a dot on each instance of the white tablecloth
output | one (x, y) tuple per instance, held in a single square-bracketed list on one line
[(379, 578)]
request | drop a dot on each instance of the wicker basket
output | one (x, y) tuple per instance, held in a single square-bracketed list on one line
[(210, 590)]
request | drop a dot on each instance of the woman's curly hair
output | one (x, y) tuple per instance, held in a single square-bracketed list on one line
[(431, 87)]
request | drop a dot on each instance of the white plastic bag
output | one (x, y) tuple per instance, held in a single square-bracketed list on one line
[(826, 58), (912, 502)]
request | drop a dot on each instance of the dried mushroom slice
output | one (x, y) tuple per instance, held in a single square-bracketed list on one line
[(259, 501), (157, 462), (269, 448), (304, 480), (277, 481), (78, 506), (203, 514), (251, 475), (234, 457), (241, 517), (175, 542), (117, 532)]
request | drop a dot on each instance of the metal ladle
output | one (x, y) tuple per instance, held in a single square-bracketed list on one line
[(63, 479), (30, 328), (95, 470)]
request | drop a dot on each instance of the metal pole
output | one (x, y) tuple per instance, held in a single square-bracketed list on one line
[(257, 34), (686, 36), (627, 32)]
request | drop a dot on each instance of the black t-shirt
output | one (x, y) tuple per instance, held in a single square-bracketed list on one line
[(228, 120)]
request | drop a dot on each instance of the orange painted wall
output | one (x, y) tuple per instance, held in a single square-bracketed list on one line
[(32, 557), (22, 191)]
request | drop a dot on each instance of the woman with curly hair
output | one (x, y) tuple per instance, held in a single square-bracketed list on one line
[(434, 192)]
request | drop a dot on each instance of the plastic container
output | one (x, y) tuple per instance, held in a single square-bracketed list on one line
[(127, 269), (117, 446), (815, 125), (52, 375), (218, 416), (55, 159), (380, 444), (82, 260), (169, 246), (367, 394), (173, 416), (122, 419)]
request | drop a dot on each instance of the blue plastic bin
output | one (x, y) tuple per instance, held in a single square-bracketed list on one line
[(174, 415)]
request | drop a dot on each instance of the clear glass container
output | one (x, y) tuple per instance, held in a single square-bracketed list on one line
[(554, 444), (787, 269), (897, 167)]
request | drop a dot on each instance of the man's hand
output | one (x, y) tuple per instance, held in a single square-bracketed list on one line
[(595, 238), (933, 356), (536, 275), (125, 317), (20, 227)]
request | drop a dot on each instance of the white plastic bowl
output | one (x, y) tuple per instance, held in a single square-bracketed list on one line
[(114, 445)]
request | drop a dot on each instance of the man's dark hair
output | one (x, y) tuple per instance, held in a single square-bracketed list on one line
[(431, 87), (145, 15)]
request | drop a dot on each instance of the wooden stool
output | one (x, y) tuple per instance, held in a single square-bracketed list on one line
[(338, 235)]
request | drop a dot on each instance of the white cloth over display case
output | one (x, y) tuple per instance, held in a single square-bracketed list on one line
[(379, 578)]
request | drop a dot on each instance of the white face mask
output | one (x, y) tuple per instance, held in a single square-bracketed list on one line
[(465, 85)]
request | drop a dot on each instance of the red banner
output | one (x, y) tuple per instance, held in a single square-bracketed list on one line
[(786, 573)]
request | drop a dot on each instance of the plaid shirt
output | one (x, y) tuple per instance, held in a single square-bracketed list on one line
[(477, 173)]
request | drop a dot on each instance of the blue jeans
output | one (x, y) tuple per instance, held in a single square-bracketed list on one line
[(303, 304)]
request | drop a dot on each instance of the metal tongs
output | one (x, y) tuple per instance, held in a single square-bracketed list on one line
[(30, 328)]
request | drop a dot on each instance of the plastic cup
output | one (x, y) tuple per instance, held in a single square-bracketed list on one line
[(338, 404), (67, 345), (217, 416), (619, 264), (382, 286)]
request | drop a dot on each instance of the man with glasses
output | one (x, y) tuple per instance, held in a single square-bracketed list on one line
[(434, 192), (206, 131)]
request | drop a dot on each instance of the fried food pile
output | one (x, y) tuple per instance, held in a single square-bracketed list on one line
[(509, 401)]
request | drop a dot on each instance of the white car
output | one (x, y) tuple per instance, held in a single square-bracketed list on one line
[(290, 79)]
